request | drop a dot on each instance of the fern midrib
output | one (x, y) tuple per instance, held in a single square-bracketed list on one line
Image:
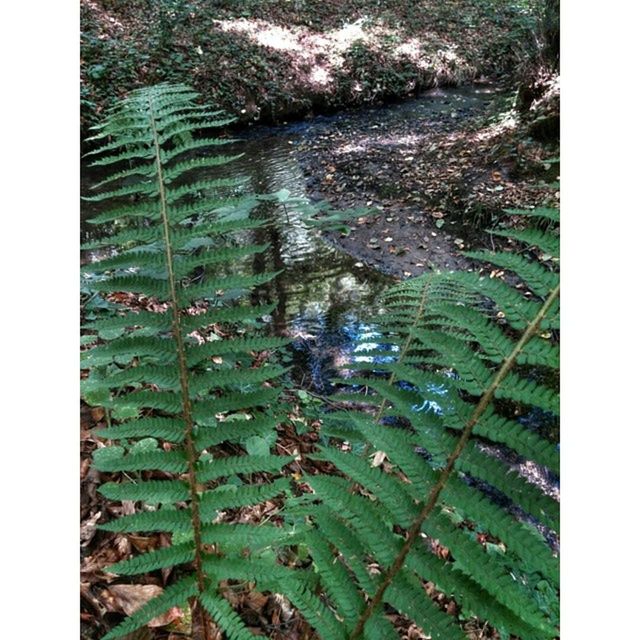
[(182, 364), (434, 494)]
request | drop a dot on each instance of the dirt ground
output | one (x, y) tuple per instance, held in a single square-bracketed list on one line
[(438, 187)]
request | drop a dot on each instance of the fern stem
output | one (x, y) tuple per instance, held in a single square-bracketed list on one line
[(434, 494), (184, 375)]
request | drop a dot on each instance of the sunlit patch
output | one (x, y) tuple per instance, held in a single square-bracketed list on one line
[(314, 58), (320, 76), (264, 33), (366, 342), (430, 405), (349, 34), (411, 139), (507, 122), (350, 148)]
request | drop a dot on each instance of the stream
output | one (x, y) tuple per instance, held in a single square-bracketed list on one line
[(325, 299)]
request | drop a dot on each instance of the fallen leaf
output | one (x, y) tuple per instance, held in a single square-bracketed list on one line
[(88, 529), (97, 413), (128, 598)]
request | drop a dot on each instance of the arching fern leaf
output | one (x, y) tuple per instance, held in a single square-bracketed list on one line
[(430, 487), (166, 378)]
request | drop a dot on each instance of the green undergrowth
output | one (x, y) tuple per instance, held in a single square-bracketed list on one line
[(268, 61)]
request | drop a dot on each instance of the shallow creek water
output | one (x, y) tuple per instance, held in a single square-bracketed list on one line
[(325, 298)]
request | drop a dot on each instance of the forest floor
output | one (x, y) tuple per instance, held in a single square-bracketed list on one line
[(106, 598), (269, 61), (435, 183)]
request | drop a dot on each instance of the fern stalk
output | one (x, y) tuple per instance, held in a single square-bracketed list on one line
[(434, 494), (183, 373)]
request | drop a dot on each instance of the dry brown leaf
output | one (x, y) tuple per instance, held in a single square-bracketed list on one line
[(256, 600), (88, 529), (97, 413), (143, 543), (128, 598)]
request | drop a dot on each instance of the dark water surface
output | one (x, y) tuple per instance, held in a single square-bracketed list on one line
[(325, 298)]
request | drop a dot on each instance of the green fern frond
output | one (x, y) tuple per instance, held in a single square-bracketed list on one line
[(168, 155), (166, 557), (407, 595), (164, 520), (234, 431), (230, 497), (169, 429), (225, 617), (149, 491), (226, 314), (238, 537), (156, 380), (537, 277), (462, 351), (548, 243), (548, 213), (336, 578), (204, 410), (113, 459), (210, 469)]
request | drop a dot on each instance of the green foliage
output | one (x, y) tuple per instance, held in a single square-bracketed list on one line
[(421, 487), (459, 354), (167, 381), (125, 45)]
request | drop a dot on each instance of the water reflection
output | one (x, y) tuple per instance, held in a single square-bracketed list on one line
[(322, 297)]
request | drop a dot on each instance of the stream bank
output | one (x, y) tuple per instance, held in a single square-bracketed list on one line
[(265, 61), (439, 170)]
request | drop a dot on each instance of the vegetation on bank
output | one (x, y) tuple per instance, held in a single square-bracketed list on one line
[(262, 60)]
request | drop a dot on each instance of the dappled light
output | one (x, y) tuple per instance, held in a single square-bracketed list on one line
[(317, 56)]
